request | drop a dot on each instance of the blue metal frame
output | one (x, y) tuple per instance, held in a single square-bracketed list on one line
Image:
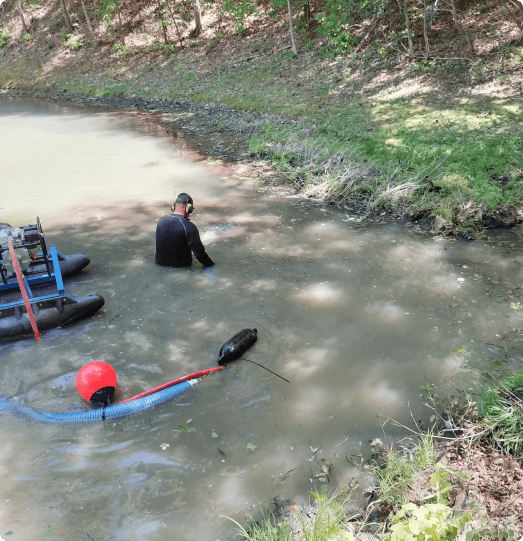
[(39, 278), (55, 276)]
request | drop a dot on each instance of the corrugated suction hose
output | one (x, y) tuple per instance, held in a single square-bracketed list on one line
[(109, 412)]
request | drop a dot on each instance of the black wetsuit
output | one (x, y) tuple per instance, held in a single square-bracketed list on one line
[(176, 236)]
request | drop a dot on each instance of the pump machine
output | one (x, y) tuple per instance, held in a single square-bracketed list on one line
[(32, 293)]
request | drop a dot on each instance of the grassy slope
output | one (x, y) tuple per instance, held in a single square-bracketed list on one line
[(438, 137)]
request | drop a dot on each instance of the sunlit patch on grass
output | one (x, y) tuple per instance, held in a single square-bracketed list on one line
[(393, 142)]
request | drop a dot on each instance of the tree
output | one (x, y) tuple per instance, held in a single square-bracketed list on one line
[(291, 27), (67, 20), (120, 22), (307, 13), (88, 22), (407, 20), (24, 27), (197, 18), (175, 23), (281, 4), (425, 34), (163, 22), (457, 24)]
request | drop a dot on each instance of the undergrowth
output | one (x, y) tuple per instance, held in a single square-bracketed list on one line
[(434, 520), (500, 406), (329, 523), (4, 36), (436, 158)]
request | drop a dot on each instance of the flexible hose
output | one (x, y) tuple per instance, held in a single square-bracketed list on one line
[(110, 412), (198, 374)]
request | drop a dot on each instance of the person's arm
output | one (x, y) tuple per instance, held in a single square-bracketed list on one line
[(193, 238)]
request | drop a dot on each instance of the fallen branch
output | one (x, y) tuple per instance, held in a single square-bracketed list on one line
[(259, 55)]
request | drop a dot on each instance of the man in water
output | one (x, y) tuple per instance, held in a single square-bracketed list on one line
[(176, 236)]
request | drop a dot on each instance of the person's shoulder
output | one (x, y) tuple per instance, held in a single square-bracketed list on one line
[(188, 223), (169, 218)]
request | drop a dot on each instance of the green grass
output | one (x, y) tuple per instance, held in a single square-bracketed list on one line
[(473, 142), (189, 78), (329, 524), (397, 476), (502, 414), (266, 529), (424, 455), (453, 151), (394, 479), (221, 81), (330, 521), (114, 90)]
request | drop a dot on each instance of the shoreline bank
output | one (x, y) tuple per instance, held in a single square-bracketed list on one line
[(378, 132), (223, 134)]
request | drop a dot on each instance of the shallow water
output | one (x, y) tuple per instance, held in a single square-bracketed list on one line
[(357, 318)]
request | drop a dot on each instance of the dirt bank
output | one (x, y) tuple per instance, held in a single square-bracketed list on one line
[(224, 89)]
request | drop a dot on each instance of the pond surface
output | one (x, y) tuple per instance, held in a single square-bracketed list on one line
[(356, 317)]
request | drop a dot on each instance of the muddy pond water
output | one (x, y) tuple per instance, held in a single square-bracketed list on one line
[(356, 317)]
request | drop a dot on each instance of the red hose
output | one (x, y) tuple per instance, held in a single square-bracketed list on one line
[(20, 279), (174, 382)]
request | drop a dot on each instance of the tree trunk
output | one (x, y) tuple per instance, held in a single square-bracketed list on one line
[(291, 28), (175, 23), (458, 26), (425, 34), (68, 24), (197, 18), (24, 27), (120, 22), (307, 14), (162, 23), (220, 18), (88, 22), (407, 21)]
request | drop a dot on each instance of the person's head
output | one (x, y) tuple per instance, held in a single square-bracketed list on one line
[(183, 204)]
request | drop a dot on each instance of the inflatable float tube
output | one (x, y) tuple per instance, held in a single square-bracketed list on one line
[(71, 264), (109, 412), (13, 328)]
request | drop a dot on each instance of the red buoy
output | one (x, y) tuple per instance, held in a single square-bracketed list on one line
[(96, 382)]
